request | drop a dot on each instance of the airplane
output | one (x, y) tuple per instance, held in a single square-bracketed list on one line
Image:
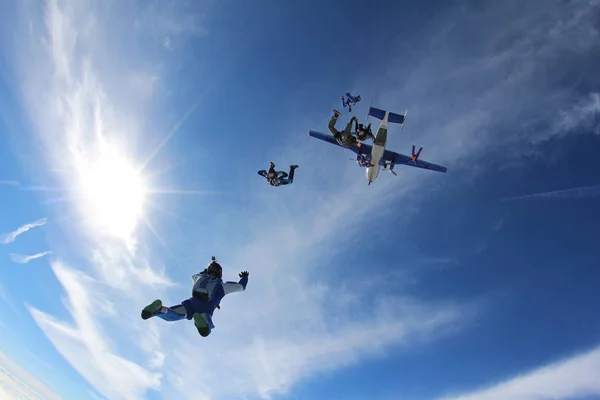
[(376, 156)]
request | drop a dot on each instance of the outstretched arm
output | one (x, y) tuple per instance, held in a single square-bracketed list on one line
[(232, 287)]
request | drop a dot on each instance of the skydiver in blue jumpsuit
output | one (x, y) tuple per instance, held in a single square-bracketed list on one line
[(350, 101), (278, 178), (207, 293)]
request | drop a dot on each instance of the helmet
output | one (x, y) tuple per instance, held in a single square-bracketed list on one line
[(214, 268)]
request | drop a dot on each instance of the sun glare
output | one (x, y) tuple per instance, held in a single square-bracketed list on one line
[(114, 194)]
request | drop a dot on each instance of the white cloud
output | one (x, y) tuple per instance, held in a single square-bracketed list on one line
[(572, 378), (501, 95), (15, 383), (10, 183), (584, 115), (10, 237), (24, 259), (277, 363), (573, 193), (3, 295), (87, 344)]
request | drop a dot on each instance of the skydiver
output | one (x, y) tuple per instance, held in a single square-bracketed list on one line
[(271, 176), (363, 132), (363, 161), (278, 178), (415, 156), (350, 102), (345, 139), (207, 293)]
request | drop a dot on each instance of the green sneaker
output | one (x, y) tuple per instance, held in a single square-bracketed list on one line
[(201, 325), (151, 309)]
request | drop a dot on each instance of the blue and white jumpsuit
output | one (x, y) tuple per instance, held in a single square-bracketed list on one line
[(207, 293)]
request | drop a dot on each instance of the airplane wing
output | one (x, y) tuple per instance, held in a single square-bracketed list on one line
[(358, 149), (397, 158)]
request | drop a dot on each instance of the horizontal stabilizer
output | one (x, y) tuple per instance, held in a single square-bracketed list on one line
[(380, 114), (396, 118), (376, 113)]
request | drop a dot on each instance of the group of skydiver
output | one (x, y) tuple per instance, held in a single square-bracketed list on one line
[(208, 287), (346, 138)]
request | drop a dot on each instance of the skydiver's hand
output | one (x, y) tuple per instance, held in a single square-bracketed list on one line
[(244, 274)]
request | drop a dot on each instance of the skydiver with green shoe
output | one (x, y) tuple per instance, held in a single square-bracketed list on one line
[(207, 293)]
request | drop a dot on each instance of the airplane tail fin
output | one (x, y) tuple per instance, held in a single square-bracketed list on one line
[(392, 117)]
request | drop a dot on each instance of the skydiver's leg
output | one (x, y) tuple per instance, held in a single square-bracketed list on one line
[(263, 173), (331, 126), (347, 134), (292, 169), (156, 309), (348, 130), (203, 323), (413, 150), (272, 169), (419, 152), (173, 313)]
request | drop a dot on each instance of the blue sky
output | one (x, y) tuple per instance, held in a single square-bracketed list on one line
[(131, 135)]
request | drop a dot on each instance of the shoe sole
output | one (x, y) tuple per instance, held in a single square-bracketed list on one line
[(151, 309), (201, 325)]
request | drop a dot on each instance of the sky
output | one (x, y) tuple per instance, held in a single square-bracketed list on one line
[(130, 137)]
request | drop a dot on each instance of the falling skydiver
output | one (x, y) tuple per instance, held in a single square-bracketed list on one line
[(350, 101), (363, 132), (207, 293), (415, 156), (345, 138), (363, 161), (278, 178)]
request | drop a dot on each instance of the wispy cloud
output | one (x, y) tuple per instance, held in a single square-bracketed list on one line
[(17, 383), (85, 344), (440, 260), (584, 115), (498, 225), (572, 378), (10, 183), (10, 237), (574, 193), (24, 259), (4, 297), (86, 121)]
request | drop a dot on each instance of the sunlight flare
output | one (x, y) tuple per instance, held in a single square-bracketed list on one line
[(114, 193)]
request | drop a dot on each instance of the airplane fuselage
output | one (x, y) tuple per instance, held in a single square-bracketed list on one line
[(377, 150)]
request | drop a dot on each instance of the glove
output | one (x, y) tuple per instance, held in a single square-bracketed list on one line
[(244, 274)]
